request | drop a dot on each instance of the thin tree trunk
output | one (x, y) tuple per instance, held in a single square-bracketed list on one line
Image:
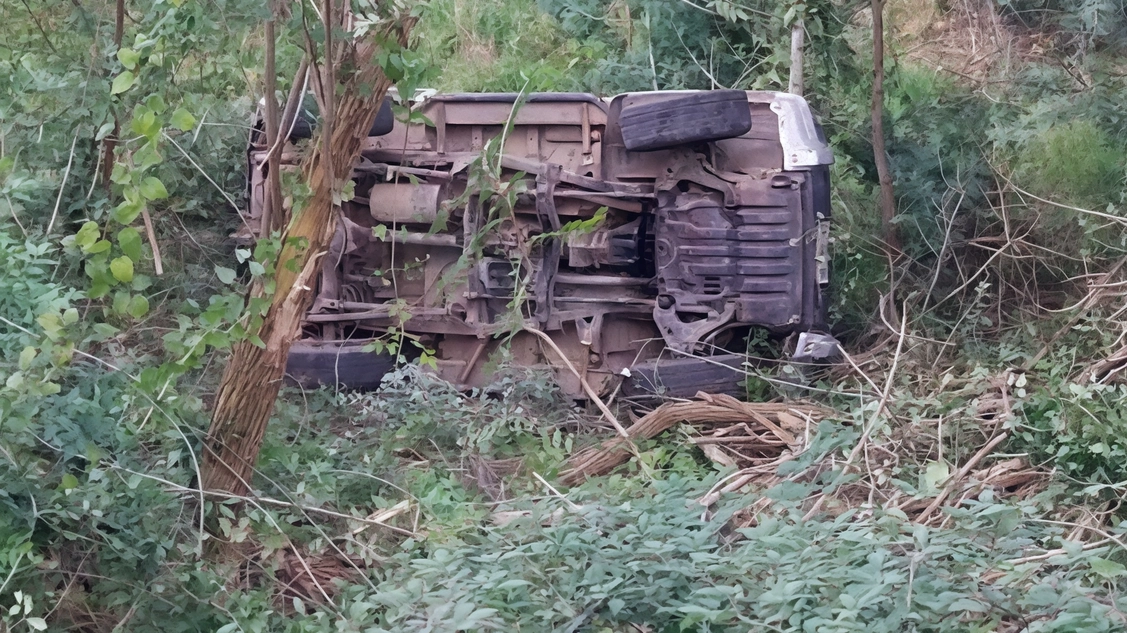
[(250, 383), (797, 48), (109, 144), (884, 175), (272, 207)]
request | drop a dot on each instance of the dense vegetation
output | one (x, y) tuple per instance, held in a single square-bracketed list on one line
[(421, 508)]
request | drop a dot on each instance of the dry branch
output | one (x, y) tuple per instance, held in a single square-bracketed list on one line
[(766, 425)]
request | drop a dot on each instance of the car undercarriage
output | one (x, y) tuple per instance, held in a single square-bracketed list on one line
[(628, 244)]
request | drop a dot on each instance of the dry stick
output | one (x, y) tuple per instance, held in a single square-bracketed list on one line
[(77, 351), (293, 104), (267, 500), (329, 84), (873, 421), (1001, 249), (158, 265), (571, 504), (1056, 552), (109, 143), (229, 199), (62, 187), (586, 387), (1098, 214), (971, 463), (382, 516), (1090, 528), (942, 250), (12, 209), (857, 368), (1081, 308), (797, 45)]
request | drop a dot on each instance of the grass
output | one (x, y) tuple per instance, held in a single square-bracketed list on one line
[(497, 46)]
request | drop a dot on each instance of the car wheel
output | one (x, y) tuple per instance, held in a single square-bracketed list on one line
[(685, 118)]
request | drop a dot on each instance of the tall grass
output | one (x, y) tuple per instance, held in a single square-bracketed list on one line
[(498, 45)]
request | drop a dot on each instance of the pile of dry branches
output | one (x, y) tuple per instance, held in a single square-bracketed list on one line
[(747, 434), (757, 438)]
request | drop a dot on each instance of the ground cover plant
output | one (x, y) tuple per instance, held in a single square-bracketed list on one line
[(965, 472)]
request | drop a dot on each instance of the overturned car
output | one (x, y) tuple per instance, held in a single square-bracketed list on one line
[(629, 244)]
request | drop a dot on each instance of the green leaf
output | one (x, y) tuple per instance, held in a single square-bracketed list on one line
[(935, 474), (69, 482), (15, 381), (147, 156), (130, 242), (128, 211), (104, 131), (98, 289), (225, 275), (87, 235), (1107, 568), (138, 306), (100, 246), (102, 332), (156, 103), (183, 120), (153, 189), (145, 122), (121, 174), (122, 269), (121, 302), (38, 624), (122, 82), (26, 356), (128, 57), (141, 282)]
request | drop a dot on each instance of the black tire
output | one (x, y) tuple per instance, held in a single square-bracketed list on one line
[(307, 121), (678, 119), (311, 364)]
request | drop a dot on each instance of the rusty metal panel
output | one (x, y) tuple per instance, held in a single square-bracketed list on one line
[(404, 202), (540, 113)]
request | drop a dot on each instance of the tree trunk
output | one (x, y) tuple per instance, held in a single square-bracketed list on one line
[(884, 175), (109, 144), (250, 383), (272, 200)]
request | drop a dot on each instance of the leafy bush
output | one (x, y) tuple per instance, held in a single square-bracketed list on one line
[(647, 557), (1073, 162), (1079, 429)]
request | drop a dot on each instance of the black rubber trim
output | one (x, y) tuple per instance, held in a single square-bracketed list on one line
[(307, 121), (313, 364)]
